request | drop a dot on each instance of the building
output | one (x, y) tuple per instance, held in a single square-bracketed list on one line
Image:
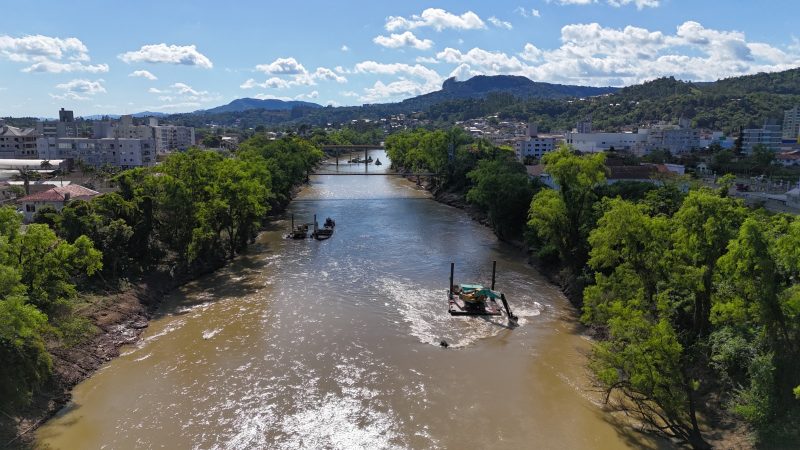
[(17, 143), (167, 138), (56, 197), (584, 126), (64, 127), (533, 145), (600, 142), (791, 125), (172, 137), (769, 136), (118, 152), (676, 140)]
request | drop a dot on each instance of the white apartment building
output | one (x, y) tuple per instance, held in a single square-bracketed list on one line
[(172, 137), (791, 125), (600, 142), (119, 152), (676, 140), (535, 145), (167, 137), (17, 143)]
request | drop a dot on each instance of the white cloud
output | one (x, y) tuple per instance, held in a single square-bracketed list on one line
[(345, 48), (302, 78), (396, 89), (426, 60), (427, 80), (500, 23), (406, 39), (436, 18), (492, 63), (272, 97), (58, 67), (535, 13), (38, 48), (531, 53), (79, 89), (46, 54), (591, 54), (282, 66), (143, 74), (309, 96), (430, 76), (168, 54), (183, 95), (323, 73), (640, 4)]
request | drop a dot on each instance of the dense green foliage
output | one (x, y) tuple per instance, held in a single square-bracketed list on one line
[(192, 212), (695, 298), (38, 273), (488, 176)]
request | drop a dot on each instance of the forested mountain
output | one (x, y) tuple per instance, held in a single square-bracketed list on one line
[(725, 104), (480, 86), (245, 104)]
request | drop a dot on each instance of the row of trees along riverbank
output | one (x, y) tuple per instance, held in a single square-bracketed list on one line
[(694, 299), (182, 217)]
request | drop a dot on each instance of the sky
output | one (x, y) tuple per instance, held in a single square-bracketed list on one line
[(100, 57)]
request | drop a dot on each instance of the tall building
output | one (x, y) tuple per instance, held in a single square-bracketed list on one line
[(64, 127), (791, 124), (584, 126), (118, 152), (768, 135), (167, 137), (17, 143)]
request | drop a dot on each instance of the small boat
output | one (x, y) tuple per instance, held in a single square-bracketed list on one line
[(326, 231), (299, 231), (476, 300), (378, 162)]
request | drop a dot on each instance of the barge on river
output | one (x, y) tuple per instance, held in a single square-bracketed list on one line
[(475, 299), (326, 231)]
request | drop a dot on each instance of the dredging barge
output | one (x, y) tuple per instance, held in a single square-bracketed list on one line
[(475, 299)]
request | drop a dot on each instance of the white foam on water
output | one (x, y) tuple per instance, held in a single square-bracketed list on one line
[(208, 334), (425, 312)]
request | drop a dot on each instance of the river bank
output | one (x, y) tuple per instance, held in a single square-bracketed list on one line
[(725, 431), (555, 273), (119, 316)]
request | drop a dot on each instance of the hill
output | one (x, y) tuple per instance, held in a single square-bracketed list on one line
[(521, 87), (245, 104)]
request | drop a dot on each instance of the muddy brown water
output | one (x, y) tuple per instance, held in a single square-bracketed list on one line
[(335, 344)]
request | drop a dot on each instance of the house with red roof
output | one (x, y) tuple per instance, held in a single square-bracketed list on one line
[(56, 197)]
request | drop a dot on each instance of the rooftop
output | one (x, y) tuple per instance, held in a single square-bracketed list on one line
[(62, 194)]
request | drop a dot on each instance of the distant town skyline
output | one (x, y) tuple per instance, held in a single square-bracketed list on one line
[(182, 56)]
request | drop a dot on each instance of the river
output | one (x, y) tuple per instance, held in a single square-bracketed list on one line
[(335, 344)]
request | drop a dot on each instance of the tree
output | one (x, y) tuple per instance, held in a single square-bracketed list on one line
[(563, 218), (502, 189), (704, 225), (26, 363)]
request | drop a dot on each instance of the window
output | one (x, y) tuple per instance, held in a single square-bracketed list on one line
[(30, 208)]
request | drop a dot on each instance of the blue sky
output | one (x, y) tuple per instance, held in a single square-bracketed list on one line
[(173, 56)]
